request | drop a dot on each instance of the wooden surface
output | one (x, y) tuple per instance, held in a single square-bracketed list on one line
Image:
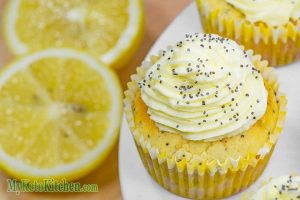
[(158, 14)]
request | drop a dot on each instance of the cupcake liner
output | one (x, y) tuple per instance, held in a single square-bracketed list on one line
[(183, 174), (279, 45)]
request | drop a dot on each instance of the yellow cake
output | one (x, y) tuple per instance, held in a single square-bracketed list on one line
[(190, 158), (270, 28)]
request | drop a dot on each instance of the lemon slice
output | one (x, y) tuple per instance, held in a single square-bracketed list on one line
[(59, 114), (110, 30)]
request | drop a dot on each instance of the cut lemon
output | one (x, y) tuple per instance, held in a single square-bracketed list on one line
[(110, 30), (60, 112)]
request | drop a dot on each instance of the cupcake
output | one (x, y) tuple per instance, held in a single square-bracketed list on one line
[(280, 188), (271, 28), (205, 116)]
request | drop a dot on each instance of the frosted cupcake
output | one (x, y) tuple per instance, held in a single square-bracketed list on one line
[(205, 116), (270, 27), (280, 188)]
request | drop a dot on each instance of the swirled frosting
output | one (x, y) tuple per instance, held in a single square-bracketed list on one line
[(281, 188), (204, 88), (272, 12)]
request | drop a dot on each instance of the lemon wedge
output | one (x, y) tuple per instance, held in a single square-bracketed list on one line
[(60, 112), (110, 30)]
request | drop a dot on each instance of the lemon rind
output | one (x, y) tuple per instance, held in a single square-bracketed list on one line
[(133, 30)]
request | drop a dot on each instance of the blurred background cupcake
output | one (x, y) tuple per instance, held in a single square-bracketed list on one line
[(283, 187), (271, 28), (205, 116)]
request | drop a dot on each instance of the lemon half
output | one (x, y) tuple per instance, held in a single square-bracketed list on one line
[(110, 30), (60, 112)]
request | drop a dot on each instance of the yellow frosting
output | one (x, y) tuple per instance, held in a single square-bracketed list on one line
[(282, 188), (272, 12), (204, 88)]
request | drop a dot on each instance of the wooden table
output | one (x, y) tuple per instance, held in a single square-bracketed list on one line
[(158, 14)]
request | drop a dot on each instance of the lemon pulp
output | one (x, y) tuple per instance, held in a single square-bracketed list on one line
[(59, 114), (108, 30)]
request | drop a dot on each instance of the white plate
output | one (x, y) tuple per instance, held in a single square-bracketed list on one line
[(136, 184)]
